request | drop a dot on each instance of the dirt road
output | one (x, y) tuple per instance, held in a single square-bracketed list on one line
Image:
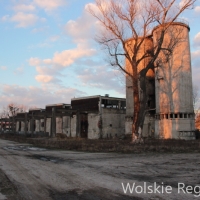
[(36, 173)]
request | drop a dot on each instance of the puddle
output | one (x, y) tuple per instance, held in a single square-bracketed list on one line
[(23, 148), (46, 158)]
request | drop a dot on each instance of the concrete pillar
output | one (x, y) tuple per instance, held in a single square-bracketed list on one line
[(17, 126), (42, 125), (66, 125), (53, 123), (59, 125), (37, 125), (22, 126), (26, 124), (73, 126), (32, 125), (78, 125), (45, 121), (48, 126)]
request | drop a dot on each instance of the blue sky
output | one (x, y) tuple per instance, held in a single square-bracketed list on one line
[(48, 55)]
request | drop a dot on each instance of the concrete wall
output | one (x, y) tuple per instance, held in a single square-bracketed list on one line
[(17, 125), (41, 123), (66, 125), (58, 124), (128, 125), (113, 122), (73, 126), (37, 125), (148, 127), (48, 125), (94, 132), (22, 126), (174, 129)]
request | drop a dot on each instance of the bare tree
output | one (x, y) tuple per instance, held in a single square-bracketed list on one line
[(121, 20), (11, 110)]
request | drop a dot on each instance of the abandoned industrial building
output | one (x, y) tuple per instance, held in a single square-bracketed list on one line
[(170, 112), (91, 117)]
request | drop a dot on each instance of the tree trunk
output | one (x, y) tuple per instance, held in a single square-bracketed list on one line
[(140, 103), (136, 102), (143, 102)]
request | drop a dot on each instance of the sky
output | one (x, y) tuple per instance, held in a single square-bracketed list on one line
[(48, 53)]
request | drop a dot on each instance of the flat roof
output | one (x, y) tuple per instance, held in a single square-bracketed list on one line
[(35, 109), (58, 104), (99, 96)]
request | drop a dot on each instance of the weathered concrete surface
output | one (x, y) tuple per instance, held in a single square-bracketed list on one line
[(59, 125), (17, 125), (50, 174), (93, 129), (48, 125), (41, 124), (22, 126), (66, 126), (73, 126), (173, 85), (113, 122), (37, 125)]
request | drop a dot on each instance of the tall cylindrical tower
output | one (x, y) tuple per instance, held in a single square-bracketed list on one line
[(173, 83), (146, 46)]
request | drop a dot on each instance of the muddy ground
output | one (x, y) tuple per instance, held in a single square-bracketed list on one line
[(30, 172), (7, 189)]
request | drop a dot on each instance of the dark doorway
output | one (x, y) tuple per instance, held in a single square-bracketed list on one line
[(19, 128), (84, 125)]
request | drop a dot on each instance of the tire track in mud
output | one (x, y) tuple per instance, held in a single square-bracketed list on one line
[(28, 185), (60, 176)]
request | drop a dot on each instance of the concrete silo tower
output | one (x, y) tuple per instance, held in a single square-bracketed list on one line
[(173, 84), (146, 45)]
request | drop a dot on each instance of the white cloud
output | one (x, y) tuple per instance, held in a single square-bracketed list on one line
[(49, 69), (197, 39), (197, 9), (3, 68), (183, 2), (64, 58), (68, 57), (5, 18), (40, 29), (24, 19), (195, 54), (83, 29), (34, 61), (49, 5), (19, 71), (196, 75), (44, 78), (195, 66), (24, 8), (35, 96), (54, 38), (102, 77)]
